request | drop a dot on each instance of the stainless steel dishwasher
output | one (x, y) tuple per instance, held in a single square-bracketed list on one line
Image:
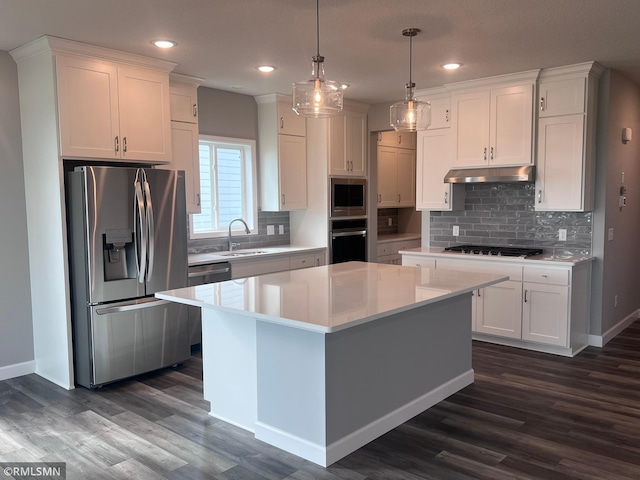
[(199, 275)]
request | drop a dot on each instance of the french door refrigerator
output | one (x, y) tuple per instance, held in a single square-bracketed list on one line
[(127, 240)]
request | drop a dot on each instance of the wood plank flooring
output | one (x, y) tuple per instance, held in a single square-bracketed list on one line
[(527, 416)]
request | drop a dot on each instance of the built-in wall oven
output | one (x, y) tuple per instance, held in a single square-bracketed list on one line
[(348, 240)]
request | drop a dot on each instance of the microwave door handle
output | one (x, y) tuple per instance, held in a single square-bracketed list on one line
[(139, 230), (349, 234), (150, 226)]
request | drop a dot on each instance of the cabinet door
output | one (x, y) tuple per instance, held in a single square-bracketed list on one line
[(293, 172), (561, 97), (387, 177), (545, 313), (87, 108), (511, 126), (290, 123), (184, 141), (388, 139), (560, 171), (144, 105), (337, 153), (320, 259), (356, 146), (440, 113), (433, 160), (406, 177), (184, 103), (499, 309), (407, 140), (470, 123)]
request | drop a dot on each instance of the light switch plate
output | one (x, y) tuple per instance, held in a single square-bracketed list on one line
[(456, 230), (610, 234), (562, 234), (281, 229), (270, 230)]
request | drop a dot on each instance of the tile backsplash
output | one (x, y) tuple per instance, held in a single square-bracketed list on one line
[(248, 241), (504, 214), (384, 215)]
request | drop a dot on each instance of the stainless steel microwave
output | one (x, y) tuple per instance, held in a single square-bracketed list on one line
[(348, 197)]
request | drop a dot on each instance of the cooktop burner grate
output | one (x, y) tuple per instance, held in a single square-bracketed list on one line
[(497, 251)]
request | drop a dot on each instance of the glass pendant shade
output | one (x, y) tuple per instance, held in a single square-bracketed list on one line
[(411, 115), (317, 97)]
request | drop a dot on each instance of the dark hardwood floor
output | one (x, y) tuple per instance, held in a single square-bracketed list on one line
[(527, 416)]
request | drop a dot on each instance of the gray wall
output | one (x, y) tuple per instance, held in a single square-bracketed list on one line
[(227, 114), (617, 268), (16, 339)]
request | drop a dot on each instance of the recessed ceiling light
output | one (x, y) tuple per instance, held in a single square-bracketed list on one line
[(236, 87), (451, 66), (164, 43), (266, 68), (345, 86)]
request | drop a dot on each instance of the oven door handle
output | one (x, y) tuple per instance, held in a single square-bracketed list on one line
[(349, 234)]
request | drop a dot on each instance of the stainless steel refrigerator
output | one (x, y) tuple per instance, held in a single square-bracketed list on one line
[(127, 240)]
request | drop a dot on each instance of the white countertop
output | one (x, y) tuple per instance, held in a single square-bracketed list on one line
[(248, 254), (542, 259), (332, 297)]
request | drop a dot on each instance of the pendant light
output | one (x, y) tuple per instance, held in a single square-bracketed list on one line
[(410, 115), (317, 97)]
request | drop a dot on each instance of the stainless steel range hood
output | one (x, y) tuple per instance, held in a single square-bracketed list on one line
[(491, 175)]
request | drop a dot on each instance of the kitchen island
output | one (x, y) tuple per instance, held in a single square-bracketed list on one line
[(323, 360)]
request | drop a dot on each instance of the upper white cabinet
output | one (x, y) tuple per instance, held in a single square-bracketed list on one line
[(493, 127), (348, 143), (440, 112), (566, 138), (397, 139), (396, 170), (112, 110), (185, 135), (283, 154)]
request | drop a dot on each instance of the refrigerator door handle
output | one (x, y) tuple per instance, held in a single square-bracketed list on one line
[(139, 212), (150, 225), (132, 306)]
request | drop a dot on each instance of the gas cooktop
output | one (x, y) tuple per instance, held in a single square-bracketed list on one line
[(498, 251)]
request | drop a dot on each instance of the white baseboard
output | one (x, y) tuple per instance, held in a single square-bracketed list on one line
[(17, 370), (326, 455), (602, 340)]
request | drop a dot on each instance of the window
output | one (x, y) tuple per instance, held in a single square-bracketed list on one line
[(227, 186)]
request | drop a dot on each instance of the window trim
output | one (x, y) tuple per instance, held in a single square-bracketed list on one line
[(252, 203)]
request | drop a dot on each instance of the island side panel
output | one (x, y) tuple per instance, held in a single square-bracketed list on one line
[(229, 366), (291, 389), (382, 373)]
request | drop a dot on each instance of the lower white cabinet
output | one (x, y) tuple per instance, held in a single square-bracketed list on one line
[(541, 307), (387, 252), (276, 263)]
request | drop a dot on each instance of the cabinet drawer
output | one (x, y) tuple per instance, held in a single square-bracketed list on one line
[(548, 275), (302, 261), (418, 261), (407, 244), (385, 249), (514, 271)]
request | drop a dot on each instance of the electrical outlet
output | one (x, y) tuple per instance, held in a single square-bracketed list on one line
[(610, 236), (456, 230), (615, 301), (281, 229), (390, 221), (270, 230), (562, 234)]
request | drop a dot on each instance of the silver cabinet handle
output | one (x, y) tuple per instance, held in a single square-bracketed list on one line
[(195, 109), (542, 104), (491, 153), (446, 115), (317, 262), (281, 122), (124, 144), (206, 272), (379, 197), (539, 196), (446, 198), (283, 199), (485, 154), (399, 139), (545, 276), (116, 144), (479, 293), (398, 198), (525, 296), (198, 199)]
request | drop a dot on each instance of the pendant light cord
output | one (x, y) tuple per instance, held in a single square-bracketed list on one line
[(318, 26), (410, 58)]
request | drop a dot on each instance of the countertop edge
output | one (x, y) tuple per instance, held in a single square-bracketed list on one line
[(543, 259), (206, 258)]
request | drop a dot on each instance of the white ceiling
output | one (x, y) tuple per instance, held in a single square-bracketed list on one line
[(223, 40)]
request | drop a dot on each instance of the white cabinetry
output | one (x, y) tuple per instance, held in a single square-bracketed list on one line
[(112, 111), (541, 307), (185, 135), (396, 176), (283, 154), (493, 127), (347, 143), (276, 263), (433, 161), (566, 138), (387, 252)]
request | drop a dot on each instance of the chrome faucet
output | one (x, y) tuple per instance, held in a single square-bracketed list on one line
[(246, 229)]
